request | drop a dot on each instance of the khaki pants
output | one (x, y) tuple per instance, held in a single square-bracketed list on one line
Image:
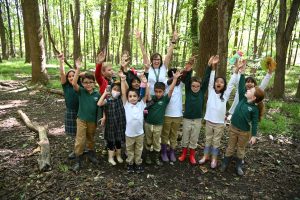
[(134, 148), (191, 131), (152, 136), (84, 136), (213, 134), (169, 131), (237, 139)]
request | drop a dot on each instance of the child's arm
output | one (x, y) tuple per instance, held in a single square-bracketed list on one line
[(63, 79), (124, 86), (213, 62), (204, 84), (242, 83), (264, 83), (170, 49), (231, 84), (254, 124), (102, 101), (76, 76), (172, 86), (98, 74), (144, 88), (139, 38)]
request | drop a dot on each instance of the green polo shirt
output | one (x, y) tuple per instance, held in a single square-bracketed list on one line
[(194, 101), (156, 112), (71, 96), (245, 112), (88, 109)]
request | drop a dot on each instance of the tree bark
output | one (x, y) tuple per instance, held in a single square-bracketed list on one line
[(208, 36), (298, 89), (194, 28), (106, 23), (101, 25), (62, 24), (37, 52), (19, 28), (225, 9), (3, 37), (250, 30), (11, 44), (283, 36), (154, 36), (26, 35), (76, 30), (126, 34)]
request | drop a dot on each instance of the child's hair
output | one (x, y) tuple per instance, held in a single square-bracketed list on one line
[(171, 71), (88, 76), (132, 79), (251, 79), (223, 90), (132, 90), (260, 95), (160, 85), (196, 79), (155, 55), (67, 74), (105, 65)]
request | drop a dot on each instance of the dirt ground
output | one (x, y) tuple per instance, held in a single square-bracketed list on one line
[(272, 166)]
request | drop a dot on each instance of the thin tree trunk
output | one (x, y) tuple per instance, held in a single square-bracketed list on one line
[(3, 37), (19, 28), (26, 36), (208, 43), (37, 52), (93, 39), (62, 21), (154, 39), (76, 30), (126, 34), (101, 23), (184, 52), (258, 7), (106, 23), (237, 26), (243, 25), (296, 52), (225, 9), (145, 25), (250, 30), (85, 35), (194, 28), (283, 37), (298, 89), (11, 44)]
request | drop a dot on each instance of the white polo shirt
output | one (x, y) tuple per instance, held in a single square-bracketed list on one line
[(134, 118)]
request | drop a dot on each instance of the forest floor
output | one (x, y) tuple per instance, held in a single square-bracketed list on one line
[(272, 166)]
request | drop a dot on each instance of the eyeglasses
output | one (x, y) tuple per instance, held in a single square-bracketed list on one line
[(88, 82)]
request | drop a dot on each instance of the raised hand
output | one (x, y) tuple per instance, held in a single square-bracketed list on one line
[(175, 36), (210, 60), (61, 57), (138, 34), (78, 63), (125, 60), (177, 74), (143, 78), (241, 65), (101, 56), (122, 76)]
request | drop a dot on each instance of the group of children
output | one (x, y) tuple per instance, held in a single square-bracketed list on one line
[(145, 112)]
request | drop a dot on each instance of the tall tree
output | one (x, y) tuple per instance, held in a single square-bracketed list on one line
[(208, 35), (194, 28), (126, 33), (3, 36), (107, 15), (37, 52), (225, 9), (258, 9), (76, 29), (19, 28), (26, 35), (283, 36), (11, 44)]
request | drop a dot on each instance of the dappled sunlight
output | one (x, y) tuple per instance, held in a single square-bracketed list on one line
[(12, 104), (9, 123), (59, 131)]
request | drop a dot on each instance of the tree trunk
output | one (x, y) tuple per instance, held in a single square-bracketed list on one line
[(145, 41), (283, 36), (37, 52), (258, 4), (26, 35), (208, 35), (76, 30), (250, 30), (11, 46), (194, 28), (225, 9), (237, 27), (62, 21), (93, 39), (243, 25), (106, 24), (154, 36), (3, 37), (19, 28), (296, 52), (298, 90), (126, 34)]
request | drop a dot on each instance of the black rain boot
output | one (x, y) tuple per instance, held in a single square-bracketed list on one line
[(148, 157), (239, 169), (92, 157), (225, 163), (78, 161)]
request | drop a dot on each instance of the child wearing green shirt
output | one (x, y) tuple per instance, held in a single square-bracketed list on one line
[(155, 118), (86, 117), (249, 110)]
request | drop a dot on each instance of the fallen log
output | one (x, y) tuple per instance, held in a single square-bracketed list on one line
[(44, 156), (54, 91)]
